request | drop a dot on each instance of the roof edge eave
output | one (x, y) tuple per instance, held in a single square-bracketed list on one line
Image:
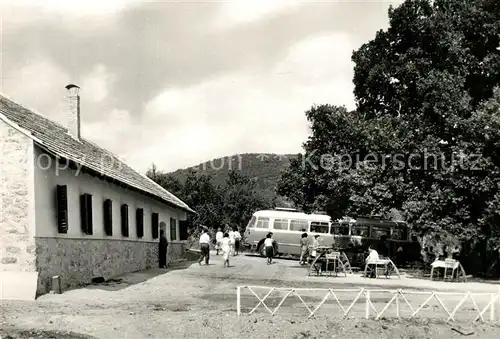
[(97, 174)]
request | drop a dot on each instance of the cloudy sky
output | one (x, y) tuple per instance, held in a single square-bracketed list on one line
[(181, 82)]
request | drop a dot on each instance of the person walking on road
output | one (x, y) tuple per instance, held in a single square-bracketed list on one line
[(218, 238), (204, 246), (237, 239), (268, 243), (225, 249), (315, 246), (231, 243), (304, 248)]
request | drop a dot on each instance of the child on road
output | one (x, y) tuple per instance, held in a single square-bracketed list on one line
[(268, 244)]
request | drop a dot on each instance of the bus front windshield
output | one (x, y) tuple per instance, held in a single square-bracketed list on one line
[(251, 223)]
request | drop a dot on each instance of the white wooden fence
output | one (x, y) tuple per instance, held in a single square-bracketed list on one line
[(364, 296)]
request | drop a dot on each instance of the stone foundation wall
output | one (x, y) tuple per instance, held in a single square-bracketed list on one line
[(17, 244), (175, 251), (77, 261)]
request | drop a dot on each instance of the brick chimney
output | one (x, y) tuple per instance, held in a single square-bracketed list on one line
[(73, 122)]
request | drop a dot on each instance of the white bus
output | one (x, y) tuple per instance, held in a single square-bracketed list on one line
[(348, 234), (287, 227)]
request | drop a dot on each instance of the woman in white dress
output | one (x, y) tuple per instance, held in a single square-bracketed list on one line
[(232, 242), (218, 238), (225, 247)]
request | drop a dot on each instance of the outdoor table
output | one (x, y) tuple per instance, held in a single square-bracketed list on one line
[(452, 264), (326, 255), (382, 262)]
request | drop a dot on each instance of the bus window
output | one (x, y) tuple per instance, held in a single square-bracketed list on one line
[(319, 227), (340, 229), (298, 225), (280, 224), (379, 232), (360, 230), (400, 233), (262, 223), (251, 223)]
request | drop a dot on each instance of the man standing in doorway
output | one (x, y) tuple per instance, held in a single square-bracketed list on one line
[(162, 250)]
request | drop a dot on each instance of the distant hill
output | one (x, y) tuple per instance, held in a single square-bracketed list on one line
[(264, 168)]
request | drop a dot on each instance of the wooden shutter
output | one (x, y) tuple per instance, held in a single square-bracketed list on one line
[(62, 208), (183, 230), (154, 225), (108, 217), (139, 214), (124, 217), (86, 213)]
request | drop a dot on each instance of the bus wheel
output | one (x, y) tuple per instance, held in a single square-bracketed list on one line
[(262, 250)]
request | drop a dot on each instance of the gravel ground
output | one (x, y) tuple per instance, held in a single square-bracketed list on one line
[(195, 301)]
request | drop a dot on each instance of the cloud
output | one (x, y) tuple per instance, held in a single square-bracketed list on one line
[(73, 7), (151, 46), (245, 11), (179, 83), (97, 83), (241, 113), (112, 132), (33, 86)]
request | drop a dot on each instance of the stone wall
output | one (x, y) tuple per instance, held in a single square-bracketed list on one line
[(77, 261), (176, 250), (17, 245)]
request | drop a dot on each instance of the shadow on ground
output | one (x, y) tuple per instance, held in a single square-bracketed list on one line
[(127, 280), (14, 333)]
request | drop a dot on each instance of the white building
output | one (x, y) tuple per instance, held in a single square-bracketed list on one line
[(71, 209)]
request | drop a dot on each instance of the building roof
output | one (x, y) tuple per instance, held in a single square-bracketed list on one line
[(54, 138)]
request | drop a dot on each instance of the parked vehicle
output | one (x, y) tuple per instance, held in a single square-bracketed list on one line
[(287, 227), (353, 236)]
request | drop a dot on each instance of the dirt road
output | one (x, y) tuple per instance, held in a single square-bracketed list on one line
[(200, 302)]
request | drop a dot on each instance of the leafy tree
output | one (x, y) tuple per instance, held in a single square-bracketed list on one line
[(232, 202), (165, 180), (337, 171), (425, 91), (241, 199), (427, 74), (205, 198), (263, 168)]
